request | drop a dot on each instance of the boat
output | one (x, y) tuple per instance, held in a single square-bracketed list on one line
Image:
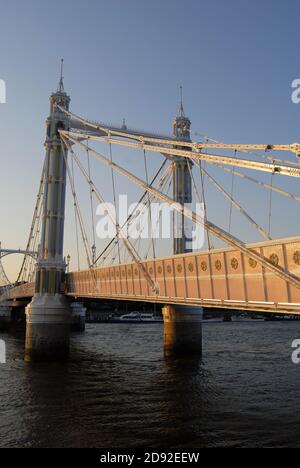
[(136, 317)]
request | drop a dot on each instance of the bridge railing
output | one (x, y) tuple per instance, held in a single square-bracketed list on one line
[(219, 278)]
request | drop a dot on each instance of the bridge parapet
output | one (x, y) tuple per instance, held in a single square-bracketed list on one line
[(222, 278), (21, 291)]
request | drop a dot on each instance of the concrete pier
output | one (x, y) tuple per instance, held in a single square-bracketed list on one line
[(5, 315), (47, 328), (78, 313), (182, 330)]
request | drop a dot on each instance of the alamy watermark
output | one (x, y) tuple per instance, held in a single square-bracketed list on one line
[(152, 221), (2, 352), (2, 92), (296, 353), (296, 93)]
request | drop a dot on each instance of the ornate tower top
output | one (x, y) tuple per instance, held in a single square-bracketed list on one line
[(181, 124), (60, 97), (61, 88), (181, 109)]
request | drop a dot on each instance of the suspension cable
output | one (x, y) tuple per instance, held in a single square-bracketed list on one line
[(194, 183), (231, 193), (128, 223), (149, 204), (115, 200), (2, 272), (213, 228), (261, 183), (75, 218), (294, 148), (92, 209), (131, 249), (169, 178), (270, 203), (202, 179), (246, 151), (34, 219), (31, 269), (139, 202), (263, 233), (161, 186), (76, 204)]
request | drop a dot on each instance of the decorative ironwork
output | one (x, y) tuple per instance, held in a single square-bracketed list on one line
[(179, 268), (274, 259), (191, 267), (218, 265), (235, 263), (297, 257), (252, 263), (169, 269), (203, 266)]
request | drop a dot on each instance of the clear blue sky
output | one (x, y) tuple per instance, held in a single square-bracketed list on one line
[(126, 58)]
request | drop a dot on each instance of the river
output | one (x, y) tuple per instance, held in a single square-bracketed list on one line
[(118, 391)]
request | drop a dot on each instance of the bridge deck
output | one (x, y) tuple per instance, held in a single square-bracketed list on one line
[(222, 278)]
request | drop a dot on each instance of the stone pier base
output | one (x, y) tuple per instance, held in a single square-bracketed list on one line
[(78, 312), (5, 315), (47, 328), (182, 331)]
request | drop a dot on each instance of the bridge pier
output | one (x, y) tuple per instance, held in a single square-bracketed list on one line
[(47, 328), (5, 315), (78, 312), (182, 330), (48, 315)]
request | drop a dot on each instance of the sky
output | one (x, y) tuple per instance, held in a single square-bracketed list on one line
[(236, 61)]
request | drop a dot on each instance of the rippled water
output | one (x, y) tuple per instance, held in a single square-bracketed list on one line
[(118, 391)]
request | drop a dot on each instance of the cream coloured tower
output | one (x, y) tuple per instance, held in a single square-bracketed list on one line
[(182, 324), (48, 315), (182, 184)]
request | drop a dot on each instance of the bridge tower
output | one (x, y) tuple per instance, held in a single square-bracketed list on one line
[(182, 184), (48, 315), (182, 324)]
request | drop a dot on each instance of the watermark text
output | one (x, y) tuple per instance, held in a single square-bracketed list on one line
[(2, 352), (152, 221), (296, 353), (2, 92), (296, 93)]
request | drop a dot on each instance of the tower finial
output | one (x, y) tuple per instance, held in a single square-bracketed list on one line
[(124, 126), (181, 109), (61, 88)]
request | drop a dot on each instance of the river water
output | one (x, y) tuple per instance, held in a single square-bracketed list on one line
[(118, 391)]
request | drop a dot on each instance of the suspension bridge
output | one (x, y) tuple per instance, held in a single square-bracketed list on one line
[(252, 276)]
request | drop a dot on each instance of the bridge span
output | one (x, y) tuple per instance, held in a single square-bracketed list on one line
[(222, 278), (263, 276)]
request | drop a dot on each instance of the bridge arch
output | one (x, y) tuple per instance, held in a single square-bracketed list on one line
[(5, 253), (17, 252)]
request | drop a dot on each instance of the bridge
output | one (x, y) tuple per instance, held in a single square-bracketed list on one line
[(262, 276)]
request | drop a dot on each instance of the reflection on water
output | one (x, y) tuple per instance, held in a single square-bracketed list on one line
[(117, 390)]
